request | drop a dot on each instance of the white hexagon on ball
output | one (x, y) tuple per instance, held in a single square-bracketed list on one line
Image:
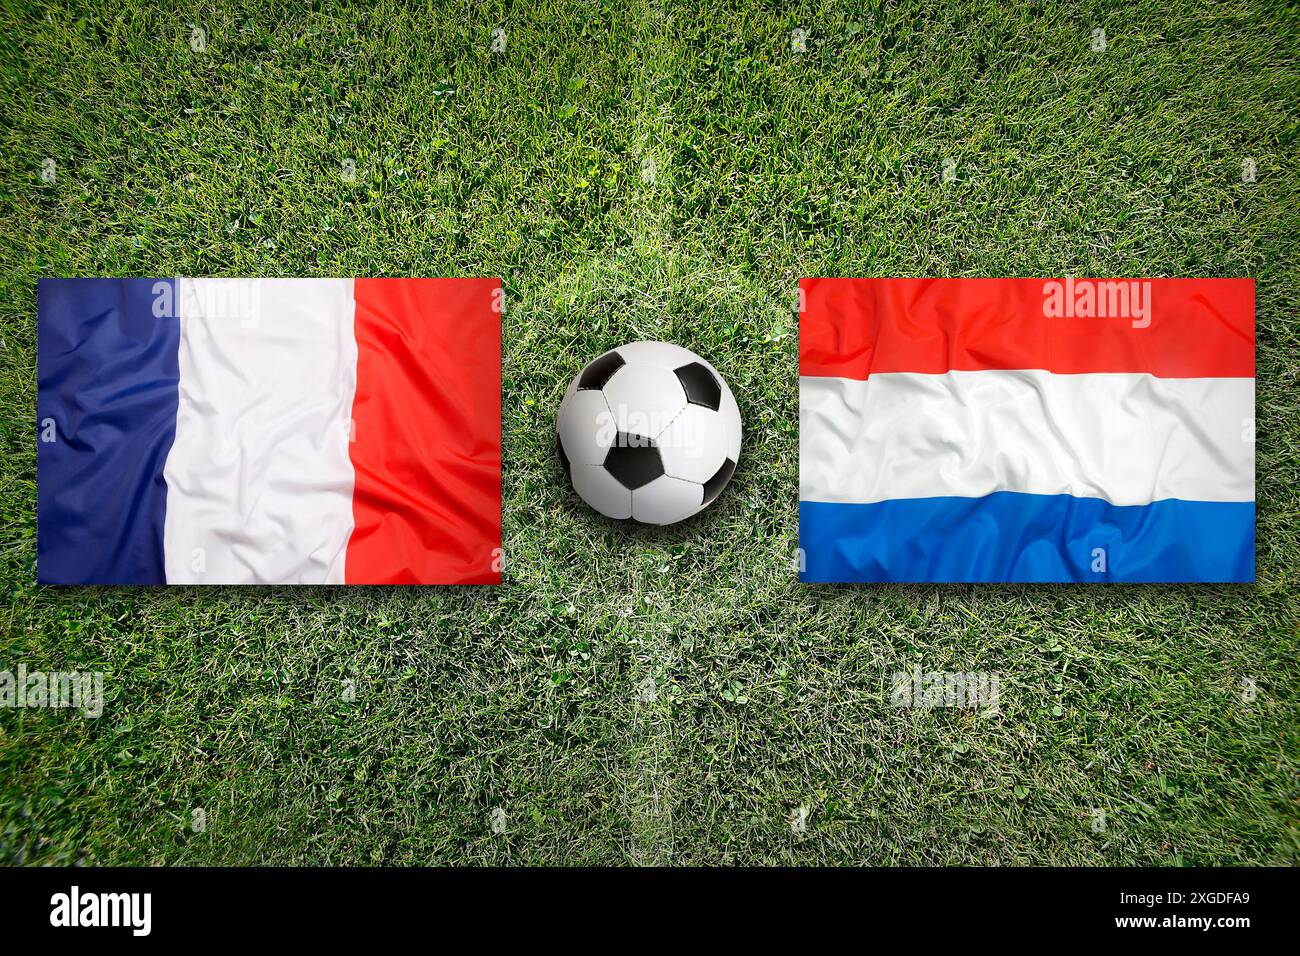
[(695, 445), (649, 431), (586, 428), (643, 400)]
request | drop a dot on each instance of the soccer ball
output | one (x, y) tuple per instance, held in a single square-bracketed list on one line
[(650, 432)]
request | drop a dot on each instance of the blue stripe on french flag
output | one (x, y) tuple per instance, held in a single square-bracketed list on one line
[(106, 408), (987, 430)]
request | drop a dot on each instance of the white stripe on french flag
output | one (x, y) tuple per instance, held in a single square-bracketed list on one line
[(1014, 430), (268, 374)]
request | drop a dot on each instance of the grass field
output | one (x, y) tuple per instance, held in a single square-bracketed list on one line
[(654, 170)]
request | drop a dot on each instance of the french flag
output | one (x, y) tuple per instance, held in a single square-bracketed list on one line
[(269, 431), (1027, 430)]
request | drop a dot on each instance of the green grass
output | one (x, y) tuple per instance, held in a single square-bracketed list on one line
[(673, 696)]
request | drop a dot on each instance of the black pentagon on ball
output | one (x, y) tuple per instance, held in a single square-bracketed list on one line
[(701, 385), (595, 375), (634, 461), (713, 487)]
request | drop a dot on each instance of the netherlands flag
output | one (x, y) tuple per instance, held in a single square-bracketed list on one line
[(269, 431), (1027, 430)]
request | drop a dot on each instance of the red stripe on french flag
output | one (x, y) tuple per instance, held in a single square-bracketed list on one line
[(426, 446)]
